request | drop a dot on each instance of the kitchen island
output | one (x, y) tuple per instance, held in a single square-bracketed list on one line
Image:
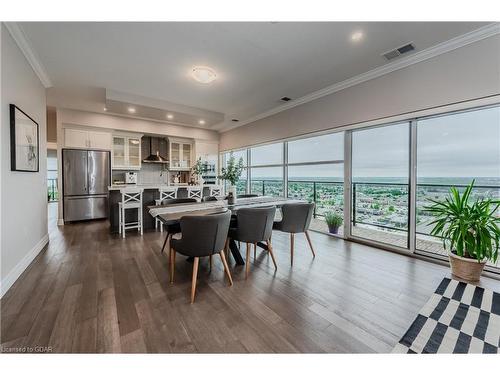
[(150, 194)]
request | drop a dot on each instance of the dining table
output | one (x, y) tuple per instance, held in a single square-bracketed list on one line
[(171, 214)]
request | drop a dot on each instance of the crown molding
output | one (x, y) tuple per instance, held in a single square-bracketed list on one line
[(24, 45), (439, 49)]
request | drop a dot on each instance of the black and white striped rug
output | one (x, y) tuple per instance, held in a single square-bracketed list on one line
[(458, 318)]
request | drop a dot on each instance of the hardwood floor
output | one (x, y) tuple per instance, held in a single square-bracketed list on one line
[(90, 291)]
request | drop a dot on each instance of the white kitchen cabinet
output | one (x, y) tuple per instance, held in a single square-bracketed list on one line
[(100, 140), (87, 139), (180, 154), (126, 153), (75, 138)]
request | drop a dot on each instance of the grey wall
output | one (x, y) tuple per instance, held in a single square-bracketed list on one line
[(464, 74), (23, 228)]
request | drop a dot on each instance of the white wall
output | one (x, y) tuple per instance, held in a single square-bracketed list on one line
[(464, 74), (23, 225)]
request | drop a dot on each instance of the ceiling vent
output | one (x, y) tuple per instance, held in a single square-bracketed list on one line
[(392, 54), (285, 99)]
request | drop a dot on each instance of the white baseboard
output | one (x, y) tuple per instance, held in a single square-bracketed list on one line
[(60, 221), (14, 274)]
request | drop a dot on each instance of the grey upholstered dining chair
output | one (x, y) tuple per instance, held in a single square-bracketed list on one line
[(248, 195), (254, 225), (202, 236), (174, 228), (296, 218)]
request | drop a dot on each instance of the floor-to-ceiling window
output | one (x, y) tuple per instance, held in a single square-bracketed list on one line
[(266, 170), (315, 168), (380, 184), (453, 150)]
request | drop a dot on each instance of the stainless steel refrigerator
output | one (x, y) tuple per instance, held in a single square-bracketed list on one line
[(86, 176)]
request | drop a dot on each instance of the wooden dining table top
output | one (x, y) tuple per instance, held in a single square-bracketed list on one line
[(173, 213)]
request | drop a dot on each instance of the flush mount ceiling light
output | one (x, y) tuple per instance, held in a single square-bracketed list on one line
[(131, 109), (203, 74), (357, 36), (201, 122), (170, 116), (105, 109)]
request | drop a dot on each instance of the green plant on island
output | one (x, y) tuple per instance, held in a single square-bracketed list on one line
[(198, 168)]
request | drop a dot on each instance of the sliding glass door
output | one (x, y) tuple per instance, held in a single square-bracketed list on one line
[(380, 184)]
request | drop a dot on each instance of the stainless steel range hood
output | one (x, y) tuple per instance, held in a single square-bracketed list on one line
[(154, 157)]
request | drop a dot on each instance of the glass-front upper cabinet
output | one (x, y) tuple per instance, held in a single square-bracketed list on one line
[(126, 153), (119, 152), (180, 154), (134, 152)]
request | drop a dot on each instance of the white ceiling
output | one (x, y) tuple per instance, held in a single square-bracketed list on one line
[(256, 63)]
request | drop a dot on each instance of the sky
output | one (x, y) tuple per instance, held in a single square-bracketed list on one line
[(465, 144)]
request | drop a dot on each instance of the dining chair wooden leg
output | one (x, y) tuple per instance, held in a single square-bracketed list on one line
[(270, 249), (164, 243), (226, 247), (195, 276), (254, 251), (310, 244), (226, 268), (210, 263), (247, 264), (172, 265), (292, 243)]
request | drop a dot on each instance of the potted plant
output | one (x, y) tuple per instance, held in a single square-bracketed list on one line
[(469, 230), (198, 170), (232, 173), (334, 220)]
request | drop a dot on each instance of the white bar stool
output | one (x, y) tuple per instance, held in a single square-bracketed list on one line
[(216, 190), (131, 199), (195, 192), (167, 192)]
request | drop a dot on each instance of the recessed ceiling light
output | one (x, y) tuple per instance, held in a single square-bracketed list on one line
[(201, 122), (357, 36), (170, 116), (203, 74), (105, 109), (131, 109)]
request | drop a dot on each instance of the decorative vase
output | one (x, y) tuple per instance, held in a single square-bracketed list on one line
[(231, 190), (466, 268), (333, 229)]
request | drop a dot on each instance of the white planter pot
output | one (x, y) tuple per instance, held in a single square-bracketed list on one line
[(232, 190)]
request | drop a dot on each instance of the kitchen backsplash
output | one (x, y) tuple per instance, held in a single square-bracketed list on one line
[(148, 174)]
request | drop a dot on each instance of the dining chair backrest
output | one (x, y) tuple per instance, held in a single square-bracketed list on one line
[(204, 235), (179, 201), (296, 217), (168, 193), (255, 224), (248, 195)]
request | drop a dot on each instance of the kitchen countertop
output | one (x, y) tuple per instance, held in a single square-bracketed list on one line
[(147, 186)]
